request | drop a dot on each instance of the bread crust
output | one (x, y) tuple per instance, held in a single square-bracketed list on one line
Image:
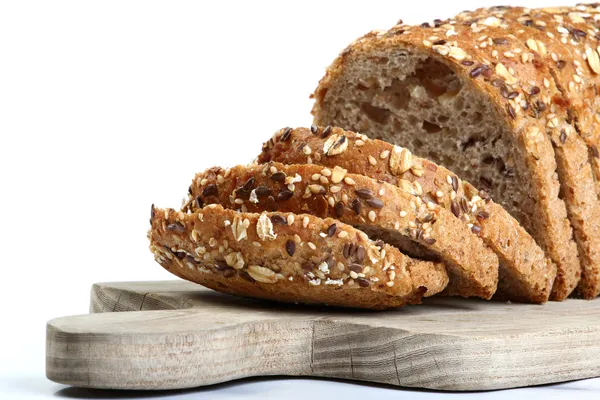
[(234, 253), (564, 37), (462, 54), (424, 229), (526, 274)]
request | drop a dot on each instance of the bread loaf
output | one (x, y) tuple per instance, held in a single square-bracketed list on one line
[(473, 98), (306, 259), (525, 274)]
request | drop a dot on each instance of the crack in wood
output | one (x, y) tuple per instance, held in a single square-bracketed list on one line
[(396, 366), (143, 299), (117, 302), (312, 349)]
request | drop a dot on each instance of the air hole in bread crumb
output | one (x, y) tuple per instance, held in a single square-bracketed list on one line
[(430, 127), (376, 114)]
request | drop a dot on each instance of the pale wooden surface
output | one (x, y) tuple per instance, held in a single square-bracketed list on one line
[(183, 335)]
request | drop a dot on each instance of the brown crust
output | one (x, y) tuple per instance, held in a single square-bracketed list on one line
[(238, 253), (526, 274), (359, 201), (567, 36), (550, 225)]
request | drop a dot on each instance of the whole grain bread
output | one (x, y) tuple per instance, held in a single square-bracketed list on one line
[(419, 228), (525, 274), (565, 40), (306, 260), (444, 93)]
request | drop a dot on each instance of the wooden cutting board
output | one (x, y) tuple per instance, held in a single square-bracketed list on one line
[(180, 335)]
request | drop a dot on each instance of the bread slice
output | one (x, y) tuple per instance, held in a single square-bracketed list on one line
[(420, 229), (441, 93), (571, 74), (525, 273), (306, 260)]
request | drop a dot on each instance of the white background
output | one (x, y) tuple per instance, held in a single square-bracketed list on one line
[(109, 106)]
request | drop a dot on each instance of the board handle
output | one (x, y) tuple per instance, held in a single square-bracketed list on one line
[(172, 349)]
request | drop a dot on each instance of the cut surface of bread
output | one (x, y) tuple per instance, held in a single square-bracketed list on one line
[(418, 228), (525, 274), (469, 107), (255, 255)]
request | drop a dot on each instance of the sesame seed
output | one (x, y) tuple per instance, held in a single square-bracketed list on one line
[(326, 172), (335, 189), (316, 189), (359, 143), (439, 194), (305, 221), (372, 215), (372, 160), (449, 179), (403, 213), (312, 245), (315, 177), (290, 219), (324, 180), (349, 181), (381, 191), (342, 234), (384, 154)]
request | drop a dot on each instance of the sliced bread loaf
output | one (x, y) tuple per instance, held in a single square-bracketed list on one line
[(419, 228), (308, 262), (442, 92), (525, 274)]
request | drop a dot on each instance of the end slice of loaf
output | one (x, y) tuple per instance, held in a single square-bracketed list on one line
[(254, 255), (418, 228), (443, 94), (525, 274)]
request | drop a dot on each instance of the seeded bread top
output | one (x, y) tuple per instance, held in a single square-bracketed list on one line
[(307, 259), (532, 272), (566, 39), (419, 227)]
